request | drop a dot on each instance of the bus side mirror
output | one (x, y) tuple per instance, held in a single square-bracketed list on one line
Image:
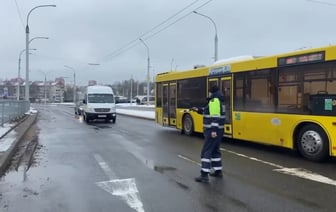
[(84, 102)]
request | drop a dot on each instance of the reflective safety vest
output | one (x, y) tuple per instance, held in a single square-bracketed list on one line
[(213, 115)]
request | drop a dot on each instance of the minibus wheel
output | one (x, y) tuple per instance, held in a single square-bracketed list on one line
[(313, 143), (188, 125), (87, 120)]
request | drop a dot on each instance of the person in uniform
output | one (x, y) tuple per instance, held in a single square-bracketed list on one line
[(213, 128)]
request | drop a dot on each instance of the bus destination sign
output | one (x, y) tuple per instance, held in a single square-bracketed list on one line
[(301, 59), (220, 70)]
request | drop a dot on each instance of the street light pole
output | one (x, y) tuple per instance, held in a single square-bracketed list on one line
[(148, 66), (131, 96), (74, 87), (45, 89), (19, 74), (37, 38), (216, 38), (45, 86), (27, 52)]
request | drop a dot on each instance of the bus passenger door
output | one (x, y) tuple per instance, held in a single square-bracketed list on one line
[(212, 82), (169, 104), (165, 119), (172, 104), (227, 92)]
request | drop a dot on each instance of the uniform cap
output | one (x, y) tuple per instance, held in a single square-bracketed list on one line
[(213, 89)]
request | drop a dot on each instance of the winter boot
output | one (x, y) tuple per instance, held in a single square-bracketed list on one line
[(218, 174), (203, 178)]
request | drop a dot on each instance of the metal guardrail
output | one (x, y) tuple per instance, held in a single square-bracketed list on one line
[(11, 110)]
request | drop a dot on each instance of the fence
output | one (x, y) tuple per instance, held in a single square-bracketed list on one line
[(11, 110)]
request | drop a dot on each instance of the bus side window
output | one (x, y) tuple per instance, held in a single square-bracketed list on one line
[(306, 103)]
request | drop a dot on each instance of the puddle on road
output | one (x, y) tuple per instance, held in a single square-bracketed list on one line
[(102, 127), (14, 177), (98, 127), (161, 169), (181, 185), (17, 181)]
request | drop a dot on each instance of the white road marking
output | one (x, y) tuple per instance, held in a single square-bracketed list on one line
[(306, 174), (124, 188), (252, 158), (298, 172), (103, 165), (188, 159)]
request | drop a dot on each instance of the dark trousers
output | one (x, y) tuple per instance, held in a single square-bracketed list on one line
[(211, 156)]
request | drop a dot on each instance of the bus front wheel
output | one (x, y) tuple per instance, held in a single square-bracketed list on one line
[(313, 143), (188, 125)]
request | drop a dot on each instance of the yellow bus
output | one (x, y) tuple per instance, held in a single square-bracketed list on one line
[(286, 100)]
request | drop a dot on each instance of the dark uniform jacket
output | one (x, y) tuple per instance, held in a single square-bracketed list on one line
[(213, 113)]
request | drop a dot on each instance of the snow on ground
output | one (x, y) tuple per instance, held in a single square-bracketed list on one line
[(134, 105), (7, 141), (5, 128), (31, 110), (138, 113), (130, 109)]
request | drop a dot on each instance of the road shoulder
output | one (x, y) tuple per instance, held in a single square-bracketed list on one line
[(14, 136)]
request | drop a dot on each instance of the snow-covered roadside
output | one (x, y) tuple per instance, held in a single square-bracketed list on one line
[(137, 113), (7, 126), (130, 109)]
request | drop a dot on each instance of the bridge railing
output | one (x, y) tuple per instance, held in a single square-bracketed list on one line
[(11, 110)]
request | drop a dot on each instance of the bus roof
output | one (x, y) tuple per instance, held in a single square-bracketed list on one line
[(245, 63), (173, 75), (234, 59)]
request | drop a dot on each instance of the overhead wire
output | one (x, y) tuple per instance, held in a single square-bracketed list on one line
[(19, 13), (152, 35), (135, 41), (128, 45), (322, 2)]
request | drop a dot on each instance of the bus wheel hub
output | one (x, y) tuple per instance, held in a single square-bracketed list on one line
[(311, 142)]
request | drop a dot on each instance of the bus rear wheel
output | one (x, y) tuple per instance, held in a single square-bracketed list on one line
[(188, 125), (313, 143)]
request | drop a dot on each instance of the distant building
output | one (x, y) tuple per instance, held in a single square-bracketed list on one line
[(40, 91), (57, 90), (92, 82)]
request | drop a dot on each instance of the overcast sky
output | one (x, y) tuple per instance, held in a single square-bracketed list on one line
[(108, 31)]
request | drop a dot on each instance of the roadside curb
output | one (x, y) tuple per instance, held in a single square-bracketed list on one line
[(13, 127), (21, 128)]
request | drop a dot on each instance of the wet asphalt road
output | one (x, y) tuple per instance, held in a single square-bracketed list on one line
[(136, 165)]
